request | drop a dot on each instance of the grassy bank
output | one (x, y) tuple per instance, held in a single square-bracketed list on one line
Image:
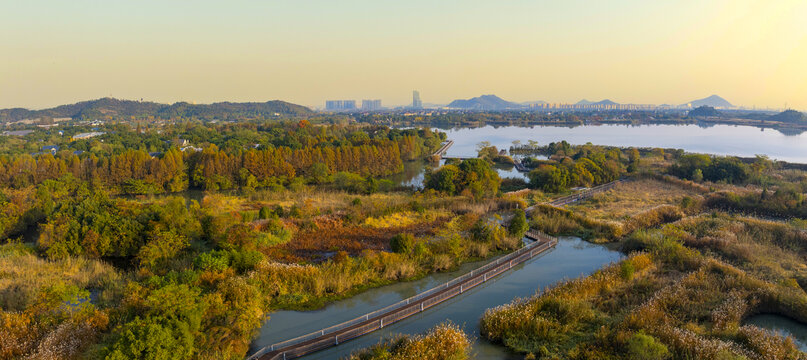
[(669, 300)]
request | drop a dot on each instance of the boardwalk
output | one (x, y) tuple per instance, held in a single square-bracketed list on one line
[(519, 166), (582, 195), (459, 157), (442, 150), (375, 320)]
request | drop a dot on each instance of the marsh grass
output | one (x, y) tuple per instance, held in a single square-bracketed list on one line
[(443, 342), (627, 199), (34, 320), (25, 274), (690, 303), (608, 216)]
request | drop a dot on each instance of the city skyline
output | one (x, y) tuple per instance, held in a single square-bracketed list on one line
[(751, 52)]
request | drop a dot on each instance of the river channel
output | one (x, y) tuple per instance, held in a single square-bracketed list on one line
[(570, 259)]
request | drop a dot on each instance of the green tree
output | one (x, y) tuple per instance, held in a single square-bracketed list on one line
[(479, 178), (633, 158), (697, 175), (549, 178), (444, 179), (319, 173), (152, 338), (518, 225)]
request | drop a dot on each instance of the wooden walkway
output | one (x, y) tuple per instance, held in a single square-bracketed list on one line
[(519, 166), (375, 320), (582, 195), (442, 150)]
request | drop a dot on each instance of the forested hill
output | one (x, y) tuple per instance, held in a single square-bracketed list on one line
[(791, 117), (115, 108)]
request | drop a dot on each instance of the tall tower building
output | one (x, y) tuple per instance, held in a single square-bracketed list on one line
[(416, 102)]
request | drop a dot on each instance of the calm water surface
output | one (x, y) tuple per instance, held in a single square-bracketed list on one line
[(782, 326), (745, 141), (572, 258)]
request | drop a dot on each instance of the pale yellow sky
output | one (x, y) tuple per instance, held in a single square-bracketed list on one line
[(753, 53)]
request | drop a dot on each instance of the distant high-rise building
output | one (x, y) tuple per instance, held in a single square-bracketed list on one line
[(340, 105), (371, 105), (333, 105), (416, 102)]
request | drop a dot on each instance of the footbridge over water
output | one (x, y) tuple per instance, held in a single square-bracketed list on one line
[(581, 195), (337, 334), (442, 150)]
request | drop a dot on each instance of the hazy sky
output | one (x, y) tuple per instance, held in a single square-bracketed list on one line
[(631, 51)]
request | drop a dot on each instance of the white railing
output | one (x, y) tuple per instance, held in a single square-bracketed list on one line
[(449, 289)]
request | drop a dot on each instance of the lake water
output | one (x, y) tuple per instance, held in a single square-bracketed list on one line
[(571, 258), (745, 141), (782, 326)]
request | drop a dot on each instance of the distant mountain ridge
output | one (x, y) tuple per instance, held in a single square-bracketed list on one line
[(713, 101), (598, 103), (110, 107), (484, 102)]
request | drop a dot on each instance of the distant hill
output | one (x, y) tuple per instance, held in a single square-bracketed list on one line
[(598, 103), (713, 101), (109, 108), (704, 111), (484, 102), (790, 116)]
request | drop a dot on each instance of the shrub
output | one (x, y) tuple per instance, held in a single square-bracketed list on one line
[(212, 261), (266, 213), (646, 347), (402, 243), (244, 260), (279, 211), (417, 207), (626, 270)]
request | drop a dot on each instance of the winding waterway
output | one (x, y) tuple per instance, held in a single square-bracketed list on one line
[(571, 258)]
